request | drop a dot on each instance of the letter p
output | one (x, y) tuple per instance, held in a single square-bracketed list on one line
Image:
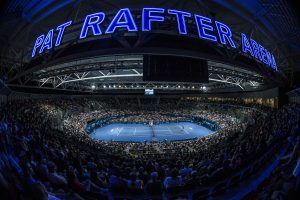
[(38, 43)]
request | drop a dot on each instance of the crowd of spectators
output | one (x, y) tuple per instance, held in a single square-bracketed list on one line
[(41, 161), (284, 182)]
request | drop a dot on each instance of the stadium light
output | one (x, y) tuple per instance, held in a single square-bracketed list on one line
[(204, 88), (93, 87), (254, 84)]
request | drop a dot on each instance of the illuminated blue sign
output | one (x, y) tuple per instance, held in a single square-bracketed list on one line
[(207, 29)]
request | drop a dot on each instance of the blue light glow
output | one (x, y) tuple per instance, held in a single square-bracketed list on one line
[(148, 18), (47, 43), (225, 32), (269, 58), (37, 44), (180, 15), (203, 25), (128, 21), (61, 28), (263, 54), (92, 21), (255, 48), (274, 65), (246, 47), (124, 19)]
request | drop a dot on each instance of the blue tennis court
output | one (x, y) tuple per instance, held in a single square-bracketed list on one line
[(140, 132)]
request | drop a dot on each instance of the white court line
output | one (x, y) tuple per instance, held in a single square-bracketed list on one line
[(119, 131), (134, 131), (182, 129), (169, 129), (186, 131)]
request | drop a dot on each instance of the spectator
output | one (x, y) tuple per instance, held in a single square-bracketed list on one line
[(173, 181)]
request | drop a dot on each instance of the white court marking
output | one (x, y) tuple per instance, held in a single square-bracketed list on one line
[(185, 131), (119, 131), (169, 129)]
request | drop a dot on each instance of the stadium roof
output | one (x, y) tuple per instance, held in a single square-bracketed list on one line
[(273, 23)]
